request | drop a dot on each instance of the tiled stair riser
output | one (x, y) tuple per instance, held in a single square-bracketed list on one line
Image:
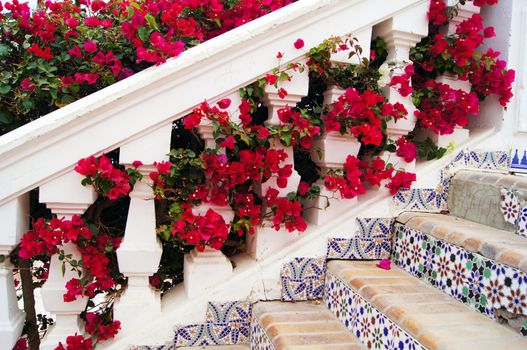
[(226, 324), (435, 199), (373, 241), (303, 279), (514, 210), (259, 339), (373, 328), (469, 277)]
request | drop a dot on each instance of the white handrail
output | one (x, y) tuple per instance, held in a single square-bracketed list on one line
[(134, 107)]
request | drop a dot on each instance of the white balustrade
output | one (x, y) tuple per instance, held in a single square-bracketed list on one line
[(14, 216), (401, 32), (209, 262), (459, 134), (66, 197), (140, 251)]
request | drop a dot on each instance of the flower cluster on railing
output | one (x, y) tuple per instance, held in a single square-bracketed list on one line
[(74, 50)]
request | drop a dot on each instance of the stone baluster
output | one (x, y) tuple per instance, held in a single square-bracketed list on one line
[(460, 134), (66, 197), (464, 12), (331, 149), (14, 216), (210, 262), (140, 251), (266, 240), (297, 88), (401, 33)]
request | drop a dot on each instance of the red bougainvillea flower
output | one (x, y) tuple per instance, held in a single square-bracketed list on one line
[(76, 342), (224, 103), (271, 79), (406, 149), (299, 43), (400, 180)]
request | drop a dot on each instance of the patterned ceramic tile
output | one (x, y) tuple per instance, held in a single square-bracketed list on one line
[(303, 279), (469, 277), (232, 311), (497, 160), (421, 199), (509, 206), (301, 268), (521, 227), (518, 160), (375, 227), (205, 334), (359, 248), (152, 347), (373, 328), (259, 339)]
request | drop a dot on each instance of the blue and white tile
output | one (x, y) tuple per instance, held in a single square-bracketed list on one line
[(521, 227), (301, 268), (206, 334), (258, 338), (420, 199), (359, 248), (485, 160), (375, 227), (518, 160), (231, 311), (510, 206)]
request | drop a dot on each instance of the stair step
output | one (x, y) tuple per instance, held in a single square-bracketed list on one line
[(299, 326), (425, 314), (502, 246)]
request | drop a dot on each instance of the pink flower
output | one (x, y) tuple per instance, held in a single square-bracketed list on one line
[(384, 264), (271, 79), (299, 43), (228, 143), (89, 46), (27, 85), (137, 163)]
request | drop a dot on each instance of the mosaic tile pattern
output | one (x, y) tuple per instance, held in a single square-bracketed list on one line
[(421, 199), (374, 227), (496, 160), (152, 347), (259, 339), (303, 279), (519, 160), (509, 206), (359, 248), (373, 241), (373, 328), (521, 227), (231, 311), (469, 277), (205, 334), (435, 199)]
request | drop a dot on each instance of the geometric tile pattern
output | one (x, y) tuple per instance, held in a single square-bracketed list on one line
[(475, 280), (373, 241), (374, 329), (152, 347), (495, 161), (357, 248), (519, 160), (513, 212), (510, 206), (205, 334), (303, 279), (231, 311), (420, 199), (435, 199), (259, 339)]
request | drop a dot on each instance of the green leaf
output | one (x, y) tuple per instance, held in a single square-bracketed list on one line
[(63, 268), (286, 138), (144, 33), (4, 50), (4, 89), (6, 117), (152, 21), (2, 258)]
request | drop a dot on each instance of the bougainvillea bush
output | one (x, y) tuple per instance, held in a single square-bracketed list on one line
[(66, 50)]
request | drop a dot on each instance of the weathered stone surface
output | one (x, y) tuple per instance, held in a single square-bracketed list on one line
[(476, 196)]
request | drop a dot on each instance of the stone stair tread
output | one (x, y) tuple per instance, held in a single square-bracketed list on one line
[(303, 326), (495, 244), (436, 320)]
